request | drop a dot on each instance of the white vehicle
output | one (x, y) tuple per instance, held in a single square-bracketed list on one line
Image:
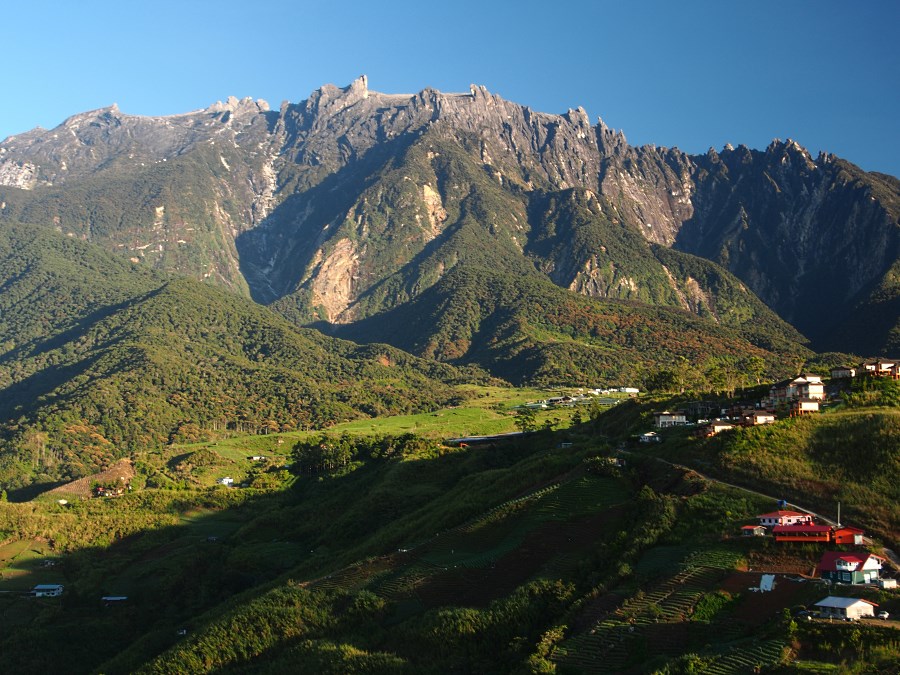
[(882, 615)]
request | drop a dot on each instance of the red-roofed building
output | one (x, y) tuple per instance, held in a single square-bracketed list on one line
[(781, 517), (808, 533), (753, 531), (850, 568), (848, 535)]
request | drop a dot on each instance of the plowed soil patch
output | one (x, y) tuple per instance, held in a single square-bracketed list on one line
[(756, 608), (478, 587)]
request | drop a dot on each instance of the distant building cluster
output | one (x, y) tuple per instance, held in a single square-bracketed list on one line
[(582, 397), (795, 397), (882, 368)]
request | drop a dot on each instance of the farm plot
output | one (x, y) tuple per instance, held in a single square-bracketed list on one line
[(656, 617), (24, 563), (748, 659)]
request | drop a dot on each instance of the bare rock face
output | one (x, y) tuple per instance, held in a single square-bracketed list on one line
[(22, 175), (355, 200)]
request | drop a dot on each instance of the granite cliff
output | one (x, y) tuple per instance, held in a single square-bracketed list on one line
[(353, 202)]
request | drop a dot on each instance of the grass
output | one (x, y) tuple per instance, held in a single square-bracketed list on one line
[(489, 410), (20, 565)]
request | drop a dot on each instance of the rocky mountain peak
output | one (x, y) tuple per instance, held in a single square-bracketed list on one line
[(234, 105), (329, 99)]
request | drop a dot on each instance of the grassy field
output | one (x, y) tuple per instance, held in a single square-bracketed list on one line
[(489, 410), (21, 565)]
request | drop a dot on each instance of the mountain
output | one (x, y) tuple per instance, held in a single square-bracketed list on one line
[(102, 357), (353, 203), (525, 329)]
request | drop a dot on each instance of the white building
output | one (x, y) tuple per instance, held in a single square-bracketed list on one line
[(47, 590), (782, 517), (666, 419), (848, 609)]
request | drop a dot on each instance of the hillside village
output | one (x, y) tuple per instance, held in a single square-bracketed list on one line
[(846, 556), (820, 572), (802, 395)]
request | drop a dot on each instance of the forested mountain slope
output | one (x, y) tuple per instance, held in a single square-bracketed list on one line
[(353, 202), (102, 358)]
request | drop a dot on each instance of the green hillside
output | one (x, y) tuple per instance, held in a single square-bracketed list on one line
[(525, 329), (531, 555), (134, 362)]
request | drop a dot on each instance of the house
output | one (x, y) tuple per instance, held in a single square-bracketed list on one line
[(804, 406), (842, 372), (802, 386), (650, 437), (714, 427), (666, 419), (846, 609), (850, 568), (879, 368), (818, 533), (701, 409), (738, 412), (753, 531), (47, 590), (805, 533), (810, 386), (782, 517), (758, 417), (848, 535)]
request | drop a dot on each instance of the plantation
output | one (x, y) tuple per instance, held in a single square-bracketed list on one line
[(400, 554)]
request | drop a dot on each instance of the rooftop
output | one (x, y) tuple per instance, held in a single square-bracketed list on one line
[(832, 601)]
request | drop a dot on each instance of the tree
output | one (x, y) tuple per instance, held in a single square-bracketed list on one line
[(755, 367), (576, 418), (525, 419)]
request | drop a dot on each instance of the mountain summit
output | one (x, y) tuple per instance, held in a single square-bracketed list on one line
[(353, 203)]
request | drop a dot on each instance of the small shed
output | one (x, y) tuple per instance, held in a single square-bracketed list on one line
[(753, 531), (848, 535), (847, 609)]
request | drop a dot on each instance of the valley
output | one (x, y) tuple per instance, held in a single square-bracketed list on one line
[(432, 383), (547, 544)]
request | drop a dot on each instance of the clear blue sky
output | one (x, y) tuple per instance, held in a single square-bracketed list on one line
[(691, 74)]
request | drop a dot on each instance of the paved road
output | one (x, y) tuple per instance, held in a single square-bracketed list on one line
[(888, 553)]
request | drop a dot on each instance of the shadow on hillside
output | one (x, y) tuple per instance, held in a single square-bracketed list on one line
[(229, 545), (21, 395), (79, 328)]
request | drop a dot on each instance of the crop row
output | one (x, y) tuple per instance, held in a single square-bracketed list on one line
[(747, 659)]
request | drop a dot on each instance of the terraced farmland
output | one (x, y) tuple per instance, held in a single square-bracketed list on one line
[(536, 535), (748, 659), (656, 616)]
